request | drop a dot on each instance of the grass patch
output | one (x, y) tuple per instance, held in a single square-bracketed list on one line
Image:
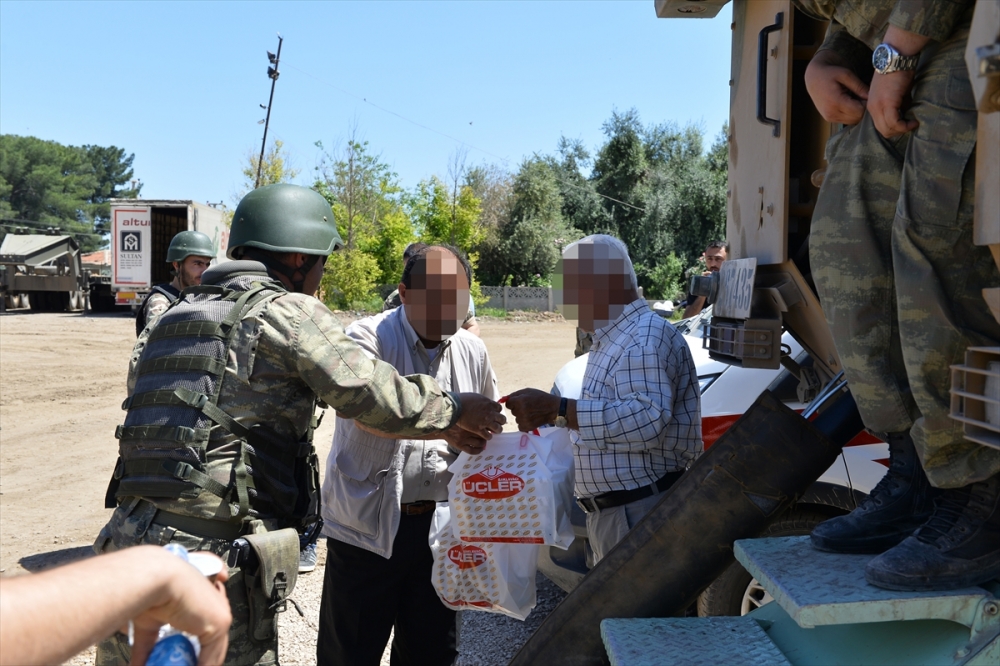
[(497, 313)]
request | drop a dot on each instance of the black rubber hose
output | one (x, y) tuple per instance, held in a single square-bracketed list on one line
[(750, 476)]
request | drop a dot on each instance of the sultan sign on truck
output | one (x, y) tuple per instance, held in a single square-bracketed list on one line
[(141, 230)]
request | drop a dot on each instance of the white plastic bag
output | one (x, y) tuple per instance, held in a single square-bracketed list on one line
[(518, 490), (492, 577)]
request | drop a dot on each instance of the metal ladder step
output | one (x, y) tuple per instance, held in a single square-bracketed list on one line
[(689, 641), (821, 589)]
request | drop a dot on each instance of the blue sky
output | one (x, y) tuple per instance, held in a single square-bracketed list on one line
[(179, 83)]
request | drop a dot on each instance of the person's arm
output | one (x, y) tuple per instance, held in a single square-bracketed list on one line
[(890, 93), (472, 326), (831, 79), (371, 391), (534, 408), (634, 421), (644, 378), (48, 617), (694, 307)]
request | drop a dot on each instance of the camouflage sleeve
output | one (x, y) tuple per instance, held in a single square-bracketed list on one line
[(857, 55), (156, 305), (359, 387), (392, 301), (931, 18)]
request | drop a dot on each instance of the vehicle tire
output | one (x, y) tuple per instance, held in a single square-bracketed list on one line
[(736, 592)]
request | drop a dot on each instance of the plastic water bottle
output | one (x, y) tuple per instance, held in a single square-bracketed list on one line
[(173, 647)]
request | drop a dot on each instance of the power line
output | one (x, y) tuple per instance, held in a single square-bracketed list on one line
[(448, 136), (12, 223)]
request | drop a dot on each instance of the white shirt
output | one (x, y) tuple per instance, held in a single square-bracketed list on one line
[(368, 476)]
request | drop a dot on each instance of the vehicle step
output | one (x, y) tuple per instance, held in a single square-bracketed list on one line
[(689, 641), (819, 589)]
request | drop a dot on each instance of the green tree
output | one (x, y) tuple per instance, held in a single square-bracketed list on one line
[(662, 194), (44, 183), (367, 203), (442, 217), (532, 241), (348, 277), (277, 168)]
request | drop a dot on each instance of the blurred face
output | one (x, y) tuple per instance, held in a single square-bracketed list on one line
[(714, 256), (189, 271), (591, 285), (437, 300)]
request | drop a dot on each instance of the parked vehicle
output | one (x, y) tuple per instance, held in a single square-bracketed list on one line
[(727, 392), (42, 272), (141, 231)]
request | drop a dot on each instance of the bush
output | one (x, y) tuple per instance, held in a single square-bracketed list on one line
[(349, 277)]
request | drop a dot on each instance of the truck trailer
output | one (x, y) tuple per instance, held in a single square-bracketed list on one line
[(141, 231)]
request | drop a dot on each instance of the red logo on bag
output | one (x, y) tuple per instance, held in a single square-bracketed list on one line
[(466, 557), (493, 483)]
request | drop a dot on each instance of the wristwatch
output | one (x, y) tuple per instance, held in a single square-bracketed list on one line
[(561, 421), (887, 60)]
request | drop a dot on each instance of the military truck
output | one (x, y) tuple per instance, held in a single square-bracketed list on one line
[(42, 272), (625, 610), (141, 231)]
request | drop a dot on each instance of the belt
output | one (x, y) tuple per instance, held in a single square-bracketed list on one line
[(418, 508), (620, 497), (212, 529)]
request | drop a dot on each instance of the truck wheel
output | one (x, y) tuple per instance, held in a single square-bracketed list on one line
[(736, 592)]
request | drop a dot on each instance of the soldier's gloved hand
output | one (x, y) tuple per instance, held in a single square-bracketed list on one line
[(463, 440), (480, 415), (839, 95)]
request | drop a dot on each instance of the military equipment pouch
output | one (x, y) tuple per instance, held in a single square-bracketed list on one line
[(270, 578)]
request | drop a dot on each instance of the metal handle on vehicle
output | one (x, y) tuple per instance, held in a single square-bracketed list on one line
[(779, 22)]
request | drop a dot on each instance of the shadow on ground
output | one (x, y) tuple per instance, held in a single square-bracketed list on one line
[(55, 558)]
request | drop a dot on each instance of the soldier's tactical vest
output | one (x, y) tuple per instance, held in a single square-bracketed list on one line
[(174, 418), (168, 290)]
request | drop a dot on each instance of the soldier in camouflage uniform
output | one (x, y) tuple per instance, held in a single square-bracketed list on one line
[(191, 253), (900, 281), (217, 439)]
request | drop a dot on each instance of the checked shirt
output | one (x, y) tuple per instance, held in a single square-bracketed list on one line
[(640, 410)]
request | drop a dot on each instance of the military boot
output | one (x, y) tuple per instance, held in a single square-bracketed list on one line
[(900, 503), (958, 547)]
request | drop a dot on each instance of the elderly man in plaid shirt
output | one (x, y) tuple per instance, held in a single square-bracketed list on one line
[(637, 425)]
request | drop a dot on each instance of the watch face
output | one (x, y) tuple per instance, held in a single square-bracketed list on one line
[(881, 58)]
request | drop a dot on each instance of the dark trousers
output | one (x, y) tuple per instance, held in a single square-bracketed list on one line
[(365, 596)]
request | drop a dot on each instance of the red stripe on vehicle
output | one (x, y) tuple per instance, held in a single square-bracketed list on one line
[(713, 427)]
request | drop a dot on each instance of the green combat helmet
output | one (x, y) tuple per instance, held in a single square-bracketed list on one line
[(190, 243), (284, 218)]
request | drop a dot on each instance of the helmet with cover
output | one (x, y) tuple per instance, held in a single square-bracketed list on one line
[(190, 243), (284, 218)]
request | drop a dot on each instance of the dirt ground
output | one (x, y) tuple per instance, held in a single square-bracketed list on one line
[(62, 381)]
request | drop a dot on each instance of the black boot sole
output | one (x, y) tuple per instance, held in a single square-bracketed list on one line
[(862, 546)]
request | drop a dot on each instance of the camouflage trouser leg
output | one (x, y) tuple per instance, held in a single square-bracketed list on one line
[(130, 525), (899, 278)]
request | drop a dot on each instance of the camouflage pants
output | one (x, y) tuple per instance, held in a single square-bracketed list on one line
[(131, 525), (897, 273)]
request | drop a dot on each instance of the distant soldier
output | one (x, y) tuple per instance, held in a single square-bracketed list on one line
[(191, 253), (216, 447)]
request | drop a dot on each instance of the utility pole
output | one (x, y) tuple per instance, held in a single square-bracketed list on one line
[(272, 73)]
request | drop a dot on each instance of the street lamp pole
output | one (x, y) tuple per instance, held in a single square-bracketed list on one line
[(272, 73)]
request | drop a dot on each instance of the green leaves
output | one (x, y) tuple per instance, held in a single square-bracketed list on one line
[(68, 187)]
